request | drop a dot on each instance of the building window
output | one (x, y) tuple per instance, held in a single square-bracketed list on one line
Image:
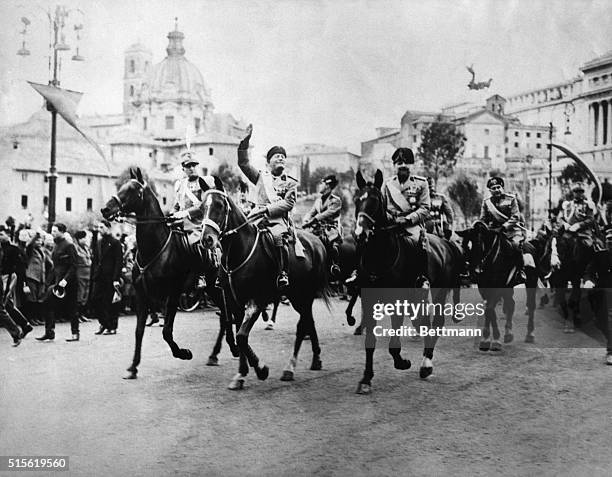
[(132, 66), (46, 179), (131, 91), (486, 152), (487, 132), (204, 171), (196, 124), (506, 150), (516, 144), (68, 180), (169, 122), (164, 200), (414, 138), (89, 181), (506, 140), (24, 177), (68, 204), (45, 201), (515, 133), (89, 205), (15, 144), (24, 201), (528, 134), (144, 124), (211, 151), (538, 146), (539, 135)]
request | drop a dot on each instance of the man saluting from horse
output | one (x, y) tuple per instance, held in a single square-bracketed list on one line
[(274, 196), (501, 211)]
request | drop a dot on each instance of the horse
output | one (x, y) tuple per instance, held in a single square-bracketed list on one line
[(249, 268), (573, 257), (387, 260), (164, 262), (491, 260)]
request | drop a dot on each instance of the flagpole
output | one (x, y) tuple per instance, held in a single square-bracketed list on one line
[(52, 165)]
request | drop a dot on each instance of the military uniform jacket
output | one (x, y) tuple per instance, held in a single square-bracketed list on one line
[(410, 199), (276, 193), (440, 208), (581, 212), (502, 211), (188, 196), (326, 210)]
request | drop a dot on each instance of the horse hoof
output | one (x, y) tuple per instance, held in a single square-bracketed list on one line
[(287, 376), (496, 346), (425, 372), (237, 385), (212, 361), (350, 320), (317, 364), (358, 331), (130, 374), (184, 354), (363, 388), (269, 327), (529, 339), (485, 346), (262, 373), (402, 364), (508, 338)]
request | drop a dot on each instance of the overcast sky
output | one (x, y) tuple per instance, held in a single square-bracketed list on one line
[(326, 71)]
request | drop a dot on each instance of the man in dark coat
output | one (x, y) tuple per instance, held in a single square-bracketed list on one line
[(12, 264), (63, 287), (106, 272)]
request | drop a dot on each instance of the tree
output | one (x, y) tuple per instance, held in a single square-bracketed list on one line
[(442, 143), (464, 192), (305, 176), (573, 173)]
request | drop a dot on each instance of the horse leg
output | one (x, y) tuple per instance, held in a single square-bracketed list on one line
[(350, 319), (485, 342), (242, 338), (495, 344), (509, 306), (365, 385), (213, 359), (171, 306), (429, 342), (395, 344), (142, 311), (574, 305), (272, 322), (530, 290)]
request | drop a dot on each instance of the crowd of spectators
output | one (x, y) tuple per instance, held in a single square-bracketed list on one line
[(65, 275)]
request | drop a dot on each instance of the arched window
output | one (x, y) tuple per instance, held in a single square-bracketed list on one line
[(131, 91), (132, 66)]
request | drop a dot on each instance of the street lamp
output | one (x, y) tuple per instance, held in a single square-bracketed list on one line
[(57, 23)]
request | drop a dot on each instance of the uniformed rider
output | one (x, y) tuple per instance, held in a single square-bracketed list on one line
[(408, 202), (324, 217), (441, 216), (188, 193), (578, 216), (501, 211), (274, 196)]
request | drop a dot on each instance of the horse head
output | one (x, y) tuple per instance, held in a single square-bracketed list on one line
[(370, 210), (129, 198), (476, 243), (216, 209)]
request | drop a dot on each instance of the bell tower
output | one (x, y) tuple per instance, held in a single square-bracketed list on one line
[(137, 62)]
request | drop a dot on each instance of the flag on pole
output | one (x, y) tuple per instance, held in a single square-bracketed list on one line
[(65, 103)]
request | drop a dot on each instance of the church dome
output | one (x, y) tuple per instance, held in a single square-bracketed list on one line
[(175, 78)]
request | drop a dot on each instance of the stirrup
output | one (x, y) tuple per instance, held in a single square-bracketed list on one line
[(282, 281), (422, 282), (352, 279), (334, 270)]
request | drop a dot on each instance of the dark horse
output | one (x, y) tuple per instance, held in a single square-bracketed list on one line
[(248, 274), (164, 262), (490, 257), (388, 261), (572, 257)]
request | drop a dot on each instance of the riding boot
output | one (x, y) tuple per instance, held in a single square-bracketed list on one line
[(282, 280), (519, 275), (334, 258), (423, 279)]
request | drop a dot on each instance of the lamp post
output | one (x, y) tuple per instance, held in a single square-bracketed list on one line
[(57, 23), (550, 138)]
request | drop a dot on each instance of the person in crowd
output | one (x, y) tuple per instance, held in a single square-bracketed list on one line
[(12, 268), (83, 272), (38, 265), (62, 298), (107, 264)]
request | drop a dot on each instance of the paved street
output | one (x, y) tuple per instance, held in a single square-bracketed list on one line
[(528, 410)]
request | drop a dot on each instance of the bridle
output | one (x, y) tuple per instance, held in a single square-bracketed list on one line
[(139, 220)]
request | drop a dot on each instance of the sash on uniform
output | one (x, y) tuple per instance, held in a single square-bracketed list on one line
[(495, 211), (398, 198)]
